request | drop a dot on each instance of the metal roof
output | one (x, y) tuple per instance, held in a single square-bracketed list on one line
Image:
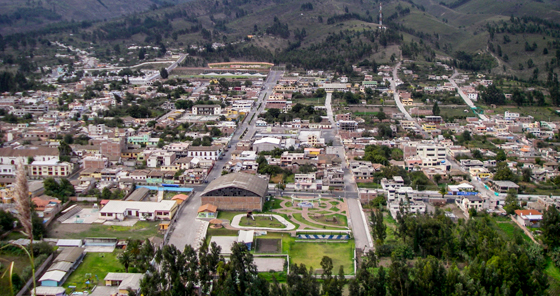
[(245, 181)]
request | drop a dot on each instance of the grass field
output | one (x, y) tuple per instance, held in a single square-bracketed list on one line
[(511, 230), (228, 215), (310, 101), (262, 221), (391, 226), (311, 254), (299, 218), (539, 113), (140, 230), (94, 264)]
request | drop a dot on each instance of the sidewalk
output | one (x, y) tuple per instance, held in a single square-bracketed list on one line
[(289, 225)]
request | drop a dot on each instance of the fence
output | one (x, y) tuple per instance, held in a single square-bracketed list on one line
[(84, 198)]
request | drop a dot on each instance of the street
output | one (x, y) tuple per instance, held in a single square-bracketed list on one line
[(356, 218), (187, 227)]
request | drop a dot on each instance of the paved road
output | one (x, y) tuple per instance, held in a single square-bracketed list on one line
[(396, 94), (357, 219), (187, 227), (464, 96)]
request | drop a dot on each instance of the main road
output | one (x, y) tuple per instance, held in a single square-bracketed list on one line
[(464, 96), (187, 228), (357, 219)]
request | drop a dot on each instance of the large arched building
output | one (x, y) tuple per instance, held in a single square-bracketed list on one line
[(236, 192)]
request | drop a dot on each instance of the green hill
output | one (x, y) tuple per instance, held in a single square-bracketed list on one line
[(480, 34), (21, 16)]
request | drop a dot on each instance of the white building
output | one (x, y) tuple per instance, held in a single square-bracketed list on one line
[(511, 115), (119, 210)]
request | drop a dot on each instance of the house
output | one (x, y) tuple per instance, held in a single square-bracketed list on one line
[(204, 152), (529, 218), (504, 186), (120, 210), (206, 110), (180, 198), (208, 211), (124, 281), (469, 202)]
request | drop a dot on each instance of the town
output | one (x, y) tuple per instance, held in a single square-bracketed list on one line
[(291, 164)]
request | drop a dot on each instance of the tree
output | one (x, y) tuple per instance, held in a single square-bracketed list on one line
[(442, 191), (125, 259), (518, 97), (511, 202), (64, 151), (163, 73), (501, 155), (61, 190), (504, 173), (381, 115), (435, 109), (527, 174), (477, 154), (550, 225), (378, 227), (466, 136), (493, 95)]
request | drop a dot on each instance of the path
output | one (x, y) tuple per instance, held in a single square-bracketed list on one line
[(527, 232), (396, 94)]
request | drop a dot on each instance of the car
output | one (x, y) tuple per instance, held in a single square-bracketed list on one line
[(221, 157)]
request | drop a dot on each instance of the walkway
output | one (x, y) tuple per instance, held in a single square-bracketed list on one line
[(235, 222)]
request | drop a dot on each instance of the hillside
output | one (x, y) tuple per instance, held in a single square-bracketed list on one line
[(21, 16), (479, 34)]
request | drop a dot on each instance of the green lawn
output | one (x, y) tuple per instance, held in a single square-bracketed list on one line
[(369, 185), (262, 221), (140, 230), (511, 229), (310, 101), (391, 226), (299, 218), (341, 220), (228, 215), (94, 264), (311, 254)]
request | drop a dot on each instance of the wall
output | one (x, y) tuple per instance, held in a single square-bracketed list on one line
[(234, 203)]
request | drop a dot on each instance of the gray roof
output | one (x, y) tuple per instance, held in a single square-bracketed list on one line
[(506, 184), (245, 181), (61, 265), (70, 255), (138, 194)]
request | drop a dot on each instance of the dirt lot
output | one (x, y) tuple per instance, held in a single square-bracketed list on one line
[(268, 245)]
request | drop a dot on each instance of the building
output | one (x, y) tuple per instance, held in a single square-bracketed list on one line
[(120, 210), (469, 202), (204, 152), (504, 186), (266, 144), (236, 192), (529, 218), (95, 162), (63, 265), (50, 291), (50, 168), (206, 110), (25, 156), (123, 282)]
